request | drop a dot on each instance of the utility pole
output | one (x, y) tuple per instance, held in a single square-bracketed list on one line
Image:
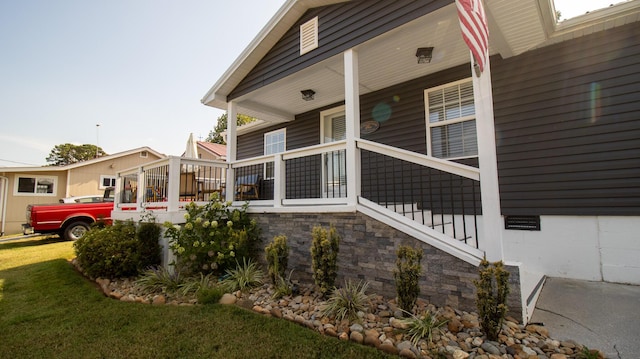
[(97, 139)]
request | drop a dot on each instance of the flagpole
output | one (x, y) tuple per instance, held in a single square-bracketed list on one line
[(491, 239)]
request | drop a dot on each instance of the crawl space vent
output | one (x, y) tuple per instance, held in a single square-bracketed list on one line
[(523, 223)]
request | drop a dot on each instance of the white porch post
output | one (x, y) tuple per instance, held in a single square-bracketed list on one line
[(232, 142), (352, 121), (173, 189), (279, 180), (491, 237)]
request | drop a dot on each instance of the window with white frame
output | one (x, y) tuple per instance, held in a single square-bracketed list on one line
[(451, 120), (30, 185), (107, 181), (274, 142)]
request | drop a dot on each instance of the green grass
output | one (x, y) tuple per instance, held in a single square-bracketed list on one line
[(48, 310)]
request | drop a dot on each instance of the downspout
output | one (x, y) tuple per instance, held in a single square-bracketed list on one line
[(5, 189), (66, 190)]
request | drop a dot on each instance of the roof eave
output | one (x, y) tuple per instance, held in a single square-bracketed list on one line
[(279, 24)]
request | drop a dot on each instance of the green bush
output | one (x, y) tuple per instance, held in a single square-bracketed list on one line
[(347, 301), (149, 250), (407, 276), (324, 257), (110, 252), (210, 295), (492, 290), (277, 254), (120, 250), (213, 238)]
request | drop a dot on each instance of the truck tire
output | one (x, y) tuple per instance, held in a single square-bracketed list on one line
[(75, 230)]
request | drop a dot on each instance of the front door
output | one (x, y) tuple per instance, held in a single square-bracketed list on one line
[(334, 164)]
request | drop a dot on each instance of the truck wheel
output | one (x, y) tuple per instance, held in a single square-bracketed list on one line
[(75, 230)]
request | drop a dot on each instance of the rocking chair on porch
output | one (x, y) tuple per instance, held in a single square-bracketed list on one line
[(246, 187)]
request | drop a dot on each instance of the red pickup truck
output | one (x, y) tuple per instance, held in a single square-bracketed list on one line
[(70, 220)]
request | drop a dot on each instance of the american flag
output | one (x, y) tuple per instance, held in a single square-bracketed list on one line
[(475, 32)]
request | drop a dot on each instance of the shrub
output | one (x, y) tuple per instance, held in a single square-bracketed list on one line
[(407, 276), (109, 252), (277, 254), (346, 302), (213, 238), (492, 290), (423, 327), (210, 295), (324, 257), (243, 277), (149, 250)]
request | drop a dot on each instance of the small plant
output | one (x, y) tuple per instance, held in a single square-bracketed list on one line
[(161, 279), (587, 353), (324, 257), (277, 253), (210, 295), (407, 276), (283, 286), (243, 277), (492, 290), (346, 302), (423, 327)]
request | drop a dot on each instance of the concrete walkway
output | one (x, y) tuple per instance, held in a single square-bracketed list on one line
[(599, 315)]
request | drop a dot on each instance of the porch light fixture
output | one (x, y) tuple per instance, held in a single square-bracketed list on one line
[(424, 55), (307, 95)]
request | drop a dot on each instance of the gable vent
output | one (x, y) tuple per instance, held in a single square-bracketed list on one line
[(523, 223), (309, 36)]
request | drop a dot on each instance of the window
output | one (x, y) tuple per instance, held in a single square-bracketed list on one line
[(107, 181), (309, 36), (35, 185), (274, 142), (451, 121), (144, 154)]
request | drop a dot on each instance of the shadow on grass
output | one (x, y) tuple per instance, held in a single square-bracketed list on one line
[(30, 242)]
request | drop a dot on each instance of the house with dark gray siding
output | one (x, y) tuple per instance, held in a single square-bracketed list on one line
[(535, 161)]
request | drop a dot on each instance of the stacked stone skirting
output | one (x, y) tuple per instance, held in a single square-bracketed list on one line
[(368, 252)]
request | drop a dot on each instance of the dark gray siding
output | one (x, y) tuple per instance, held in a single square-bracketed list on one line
[(568, 126), (340, 27)]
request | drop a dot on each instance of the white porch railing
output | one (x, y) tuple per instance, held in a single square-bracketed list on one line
[(431, 192)]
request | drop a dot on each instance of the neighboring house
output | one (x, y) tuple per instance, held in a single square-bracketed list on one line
[(211, 151), (21, 186)]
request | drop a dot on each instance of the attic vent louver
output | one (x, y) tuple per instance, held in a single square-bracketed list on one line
[(309, 36)]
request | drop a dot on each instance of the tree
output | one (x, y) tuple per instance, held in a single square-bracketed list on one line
[(215, 136), (66, 154)]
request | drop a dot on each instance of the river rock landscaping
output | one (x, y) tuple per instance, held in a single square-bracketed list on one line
[(381, 326)]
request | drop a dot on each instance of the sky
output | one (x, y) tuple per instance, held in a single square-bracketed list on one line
[(139, 68), (123, 74)]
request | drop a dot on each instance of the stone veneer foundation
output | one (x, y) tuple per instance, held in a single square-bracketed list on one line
[(368, 252)]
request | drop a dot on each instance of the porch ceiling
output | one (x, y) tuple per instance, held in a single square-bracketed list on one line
[(390, 59)]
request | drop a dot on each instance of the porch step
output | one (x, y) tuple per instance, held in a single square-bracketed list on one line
[(441, 223)]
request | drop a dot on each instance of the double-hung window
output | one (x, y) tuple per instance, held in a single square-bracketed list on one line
[(29, 185), (451, 120), (107, 181), (274, 142)]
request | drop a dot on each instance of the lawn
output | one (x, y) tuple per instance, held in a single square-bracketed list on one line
[(48, 310)]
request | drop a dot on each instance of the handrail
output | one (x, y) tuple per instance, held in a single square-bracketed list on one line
[(420, 159)]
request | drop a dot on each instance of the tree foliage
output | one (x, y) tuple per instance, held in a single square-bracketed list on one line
[(215, 136), (67, 153)]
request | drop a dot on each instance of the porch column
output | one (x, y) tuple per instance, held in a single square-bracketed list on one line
[(232, 143), (491, 238), (352, 122)]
